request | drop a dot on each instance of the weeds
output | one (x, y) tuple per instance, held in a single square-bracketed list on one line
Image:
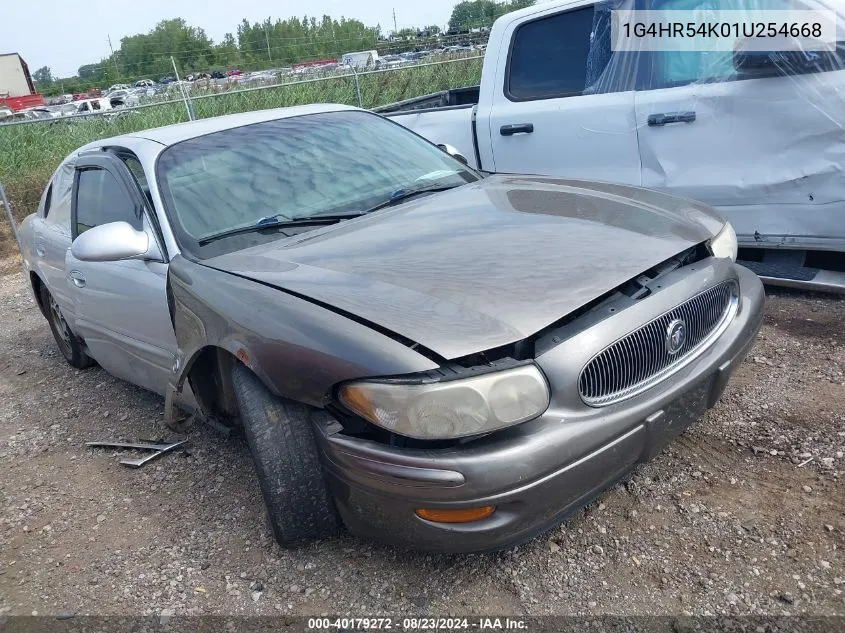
[(30, 153)]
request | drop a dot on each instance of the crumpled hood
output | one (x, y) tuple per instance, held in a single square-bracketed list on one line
[(484, 265)]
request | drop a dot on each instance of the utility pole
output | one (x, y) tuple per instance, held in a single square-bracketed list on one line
[(114, 59), (395, 28), (267, 39)]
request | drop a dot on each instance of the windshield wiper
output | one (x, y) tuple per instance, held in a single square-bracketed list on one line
[(401, 195), (280, 222), (276, 222)]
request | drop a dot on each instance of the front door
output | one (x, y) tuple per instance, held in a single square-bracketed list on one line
[(563, 103), (120, 307)]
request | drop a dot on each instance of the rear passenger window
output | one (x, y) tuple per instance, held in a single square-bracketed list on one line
[(45, 200), (100, 199), (60, 197), (552, 57)]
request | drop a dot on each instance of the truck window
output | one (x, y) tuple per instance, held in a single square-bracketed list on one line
[(671, 69), (551, 57)]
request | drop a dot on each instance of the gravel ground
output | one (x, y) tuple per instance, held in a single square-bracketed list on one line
[(745, 514)]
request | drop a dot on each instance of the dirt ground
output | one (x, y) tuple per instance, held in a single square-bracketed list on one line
[(745, 514)]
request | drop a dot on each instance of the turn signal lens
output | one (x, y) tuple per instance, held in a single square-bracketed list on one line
[(463, 515)]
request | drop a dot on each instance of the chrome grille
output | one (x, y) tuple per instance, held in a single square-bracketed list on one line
[(646, 356)]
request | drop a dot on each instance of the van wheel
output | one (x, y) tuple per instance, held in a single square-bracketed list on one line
[(68, 344), (287, 461)]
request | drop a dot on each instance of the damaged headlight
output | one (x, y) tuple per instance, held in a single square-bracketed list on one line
[(725, 244), (440, 410)]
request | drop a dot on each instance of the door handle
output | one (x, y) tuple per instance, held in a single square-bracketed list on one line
[(657, 120), (516, 128), (77, 278)]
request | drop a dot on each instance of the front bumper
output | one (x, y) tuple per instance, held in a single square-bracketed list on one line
[(539, 472)]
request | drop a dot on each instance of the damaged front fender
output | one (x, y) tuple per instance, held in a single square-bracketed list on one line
[(298, 349)]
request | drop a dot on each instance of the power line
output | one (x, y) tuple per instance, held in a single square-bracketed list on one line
[(384, 46)]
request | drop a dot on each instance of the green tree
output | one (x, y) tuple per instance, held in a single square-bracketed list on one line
[(471, 14), (43, 77)]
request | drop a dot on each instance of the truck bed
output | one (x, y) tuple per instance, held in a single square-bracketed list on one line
[(442, 117), (457, 98)]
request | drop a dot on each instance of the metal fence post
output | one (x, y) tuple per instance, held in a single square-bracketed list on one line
[(189, 106), (5, 202), (357, 86)]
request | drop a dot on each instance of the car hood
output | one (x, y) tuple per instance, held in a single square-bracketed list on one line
[(483, 265)]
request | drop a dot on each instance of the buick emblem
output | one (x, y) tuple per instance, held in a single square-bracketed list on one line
[(676, 336)]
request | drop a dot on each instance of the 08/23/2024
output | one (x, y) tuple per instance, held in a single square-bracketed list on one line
[(415, 623)]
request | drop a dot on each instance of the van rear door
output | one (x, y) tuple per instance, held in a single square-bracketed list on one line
[(555, 101)]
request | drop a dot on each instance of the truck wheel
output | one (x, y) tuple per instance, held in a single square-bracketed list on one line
[(68, 344), (287, 462)]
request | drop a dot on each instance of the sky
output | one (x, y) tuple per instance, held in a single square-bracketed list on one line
[(64, 34)]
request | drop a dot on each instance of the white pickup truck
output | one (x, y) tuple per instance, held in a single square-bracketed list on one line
[(760, 136)]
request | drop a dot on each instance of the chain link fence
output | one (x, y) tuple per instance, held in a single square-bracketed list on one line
[(30, 150)]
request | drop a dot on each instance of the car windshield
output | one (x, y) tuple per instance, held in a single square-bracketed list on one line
[(335, 163)]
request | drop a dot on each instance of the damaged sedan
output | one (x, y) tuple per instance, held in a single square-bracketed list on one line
[(425, 354)]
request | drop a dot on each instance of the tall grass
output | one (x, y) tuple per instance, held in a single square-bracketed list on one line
[(30, 153)]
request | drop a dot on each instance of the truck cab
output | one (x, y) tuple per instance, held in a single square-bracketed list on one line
[(762, 143)]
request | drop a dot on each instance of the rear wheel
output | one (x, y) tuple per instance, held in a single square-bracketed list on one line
[(287, 461), (68, 344)]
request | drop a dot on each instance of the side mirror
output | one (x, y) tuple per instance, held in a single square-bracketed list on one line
[(113, 242), (454, 153)]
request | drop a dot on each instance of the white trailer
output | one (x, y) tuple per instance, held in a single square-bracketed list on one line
[(360, 60)]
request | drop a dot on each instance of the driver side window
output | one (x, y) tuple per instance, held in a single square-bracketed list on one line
[(100, 199)]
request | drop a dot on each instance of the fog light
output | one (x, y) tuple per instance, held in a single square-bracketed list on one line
[(463, 515)]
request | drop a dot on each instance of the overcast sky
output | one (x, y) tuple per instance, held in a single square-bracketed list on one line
[(65, 34)]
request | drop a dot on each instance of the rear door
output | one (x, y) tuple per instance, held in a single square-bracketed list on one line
[(120, 307), (562, 104), (51, 236), (767, 149)]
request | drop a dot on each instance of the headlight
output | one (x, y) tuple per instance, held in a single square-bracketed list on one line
[(455, 408), (725, 244)]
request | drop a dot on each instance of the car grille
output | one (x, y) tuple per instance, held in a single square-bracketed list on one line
[(646, 356)]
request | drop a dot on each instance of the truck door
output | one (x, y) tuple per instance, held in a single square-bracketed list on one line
[(764, 146), (560, 103)]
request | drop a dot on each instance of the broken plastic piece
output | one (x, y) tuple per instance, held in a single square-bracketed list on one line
[(158, 450)]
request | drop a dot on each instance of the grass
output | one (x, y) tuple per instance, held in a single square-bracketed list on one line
[(29, 154)]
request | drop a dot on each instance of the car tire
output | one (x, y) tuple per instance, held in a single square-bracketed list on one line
[(287, 462), (69, 345)]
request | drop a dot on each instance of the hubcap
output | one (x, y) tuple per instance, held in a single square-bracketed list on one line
[(62, 329)]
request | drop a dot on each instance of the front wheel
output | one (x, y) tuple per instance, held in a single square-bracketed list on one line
[(287, 462), (68, 344)]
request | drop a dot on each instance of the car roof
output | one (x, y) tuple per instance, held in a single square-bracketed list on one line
[(172, 134)]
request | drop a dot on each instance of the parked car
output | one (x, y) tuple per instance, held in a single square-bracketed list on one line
[(758, 138), (144, 83), (121, 98), (118, 87), (429, 355)]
